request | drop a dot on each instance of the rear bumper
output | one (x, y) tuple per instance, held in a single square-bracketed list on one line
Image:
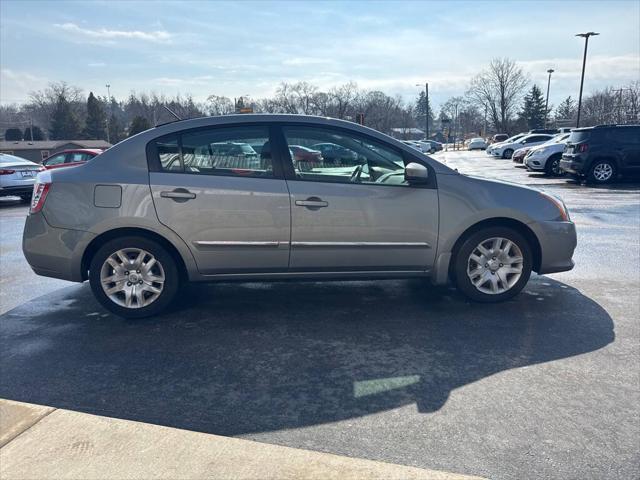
[(16, 190), (54, 252), (571, 165), (558, 241)]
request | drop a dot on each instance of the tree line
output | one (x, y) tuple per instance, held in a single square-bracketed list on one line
[(500, 99)]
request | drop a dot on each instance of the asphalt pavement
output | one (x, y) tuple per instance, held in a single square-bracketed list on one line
[(546, 385)]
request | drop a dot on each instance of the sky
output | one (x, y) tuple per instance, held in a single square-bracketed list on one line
[(248, 47)]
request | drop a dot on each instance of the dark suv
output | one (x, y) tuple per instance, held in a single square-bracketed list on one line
[(602, 153)]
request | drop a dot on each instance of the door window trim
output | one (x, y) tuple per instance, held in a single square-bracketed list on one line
[(153, 158), (289, 171)]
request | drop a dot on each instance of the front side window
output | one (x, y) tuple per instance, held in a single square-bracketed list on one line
[(235, 151), (328, 155)]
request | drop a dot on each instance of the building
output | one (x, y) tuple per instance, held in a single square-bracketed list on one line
[(37, 151), (407, 133)]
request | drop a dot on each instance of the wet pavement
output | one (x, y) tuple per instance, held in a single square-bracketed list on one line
[(543, 386)]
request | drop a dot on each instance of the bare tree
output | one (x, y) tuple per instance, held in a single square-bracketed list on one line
[(499, 88), (217, 105)]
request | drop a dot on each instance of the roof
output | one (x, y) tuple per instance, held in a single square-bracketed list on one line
[(407, 130), (51, 144)]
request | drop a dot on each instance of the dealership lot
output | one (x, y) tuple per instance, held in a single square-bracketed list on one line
[(545, 385)]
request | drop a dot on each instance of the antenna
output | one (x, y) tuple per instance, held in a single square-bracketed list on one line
[(171, 112)]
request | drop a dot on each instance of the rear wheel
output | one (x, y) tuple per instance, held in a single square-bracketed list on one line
[(507, 153), (493, 264), (552, 167), (602, 171), (134, 277)]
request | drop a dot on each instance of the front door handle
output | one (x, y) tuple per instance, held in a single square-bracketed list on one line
[(179, 195), (312, 202)]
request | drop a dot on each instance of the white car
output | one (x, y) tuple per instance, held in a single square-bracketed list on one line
[(490, 148), (423, 147), (547, 156), (478, 142), (17, 176), (506, 149)]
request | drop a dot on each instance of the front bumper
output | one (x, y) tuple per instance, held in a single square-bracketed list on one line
[(54, 252), (558, 241)]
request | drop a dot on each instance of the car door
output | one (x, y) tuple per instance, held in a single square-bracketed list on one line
[(626, 143), (223, 193), (358, 216)]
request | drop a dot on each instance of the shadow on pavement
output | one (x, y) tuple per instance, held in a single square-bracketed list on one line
[(241, 358)]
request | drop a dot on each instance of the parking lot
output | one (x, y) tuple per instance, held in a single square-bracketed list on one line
[(543, 386)]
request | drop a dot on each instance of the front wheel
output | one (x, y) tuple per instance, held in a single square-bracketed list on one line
[(493, 264), (552, 167), (134, 277)]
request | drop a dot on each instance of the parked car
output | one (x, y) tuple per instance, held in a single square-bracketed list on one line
[(148, 223), (425, 146), (412, 144), (506, 149), (602, 153), (304, 154), (519, 154), (17, 176), (490, 148), (499, 137), (477, 143), (546, 157), (336, 154), (70, 158)]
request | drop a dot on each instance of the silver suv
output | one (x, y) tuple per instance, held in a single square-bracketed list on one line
[(220, 199)]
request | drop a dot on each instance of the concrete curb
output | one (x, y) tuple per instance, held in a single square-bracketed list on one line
[(42, 442)]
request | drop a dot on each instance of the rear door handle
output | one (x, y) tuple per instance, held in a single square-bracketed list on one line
[(179, 195), (312, 202)]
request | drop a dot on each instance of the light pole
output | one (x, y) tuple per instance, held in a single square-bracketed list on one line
[(108, 85), (426, 109), (584, 61), (546, 103)]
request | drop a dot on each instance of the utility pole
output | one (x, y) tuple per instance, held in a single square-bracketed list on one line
[(546, 103), (31, 128), (108, 85), (584, 62), (426, 109)]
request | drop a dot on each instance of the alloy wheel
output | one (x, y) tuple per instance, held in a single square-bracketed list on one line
[(602, 172), (495, 265), (132, 278)]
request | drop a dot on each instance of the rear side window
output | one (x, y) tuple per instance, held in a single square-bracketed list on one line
[(236, 151), (625, 135), (577, 137)]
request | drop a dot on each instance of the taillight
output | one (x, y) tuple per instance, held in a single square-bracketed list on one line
[(583, 147), (40, 191), (6, 172)]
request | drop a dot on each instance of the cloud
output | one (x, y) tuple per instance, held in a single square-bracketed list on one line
[(157, 36), (96, 64)]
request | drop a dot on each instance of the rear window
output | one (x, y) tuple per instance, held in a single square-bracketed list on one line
[(577, 137)]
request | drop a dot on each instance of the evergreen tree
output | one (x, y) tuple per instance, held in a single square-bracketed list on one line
[(116, 133), (13, 135), (138, 124), (64, 123), (567, 109), (36, 131), (95, 127), (421, 106), (533, 109)]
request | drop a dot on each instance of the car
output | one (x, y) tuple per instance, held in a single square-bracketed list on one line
[(436, 146), (412, 144), (477, 143), (148, 223), (506, 149), (490, 148), (602, 153), (425, 146), (17, 176), (336, 154), (519, 154), (546, 157), (499, 137), (70, 158)]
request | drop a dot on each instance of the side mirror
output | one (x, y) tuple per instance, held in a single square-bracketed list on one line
[(416, 173)]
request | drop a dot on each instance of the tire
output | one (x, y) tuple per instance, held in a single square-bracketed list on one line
[(508, 283), (602, 172), (552, 166), (164, 268), (507, 153)]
